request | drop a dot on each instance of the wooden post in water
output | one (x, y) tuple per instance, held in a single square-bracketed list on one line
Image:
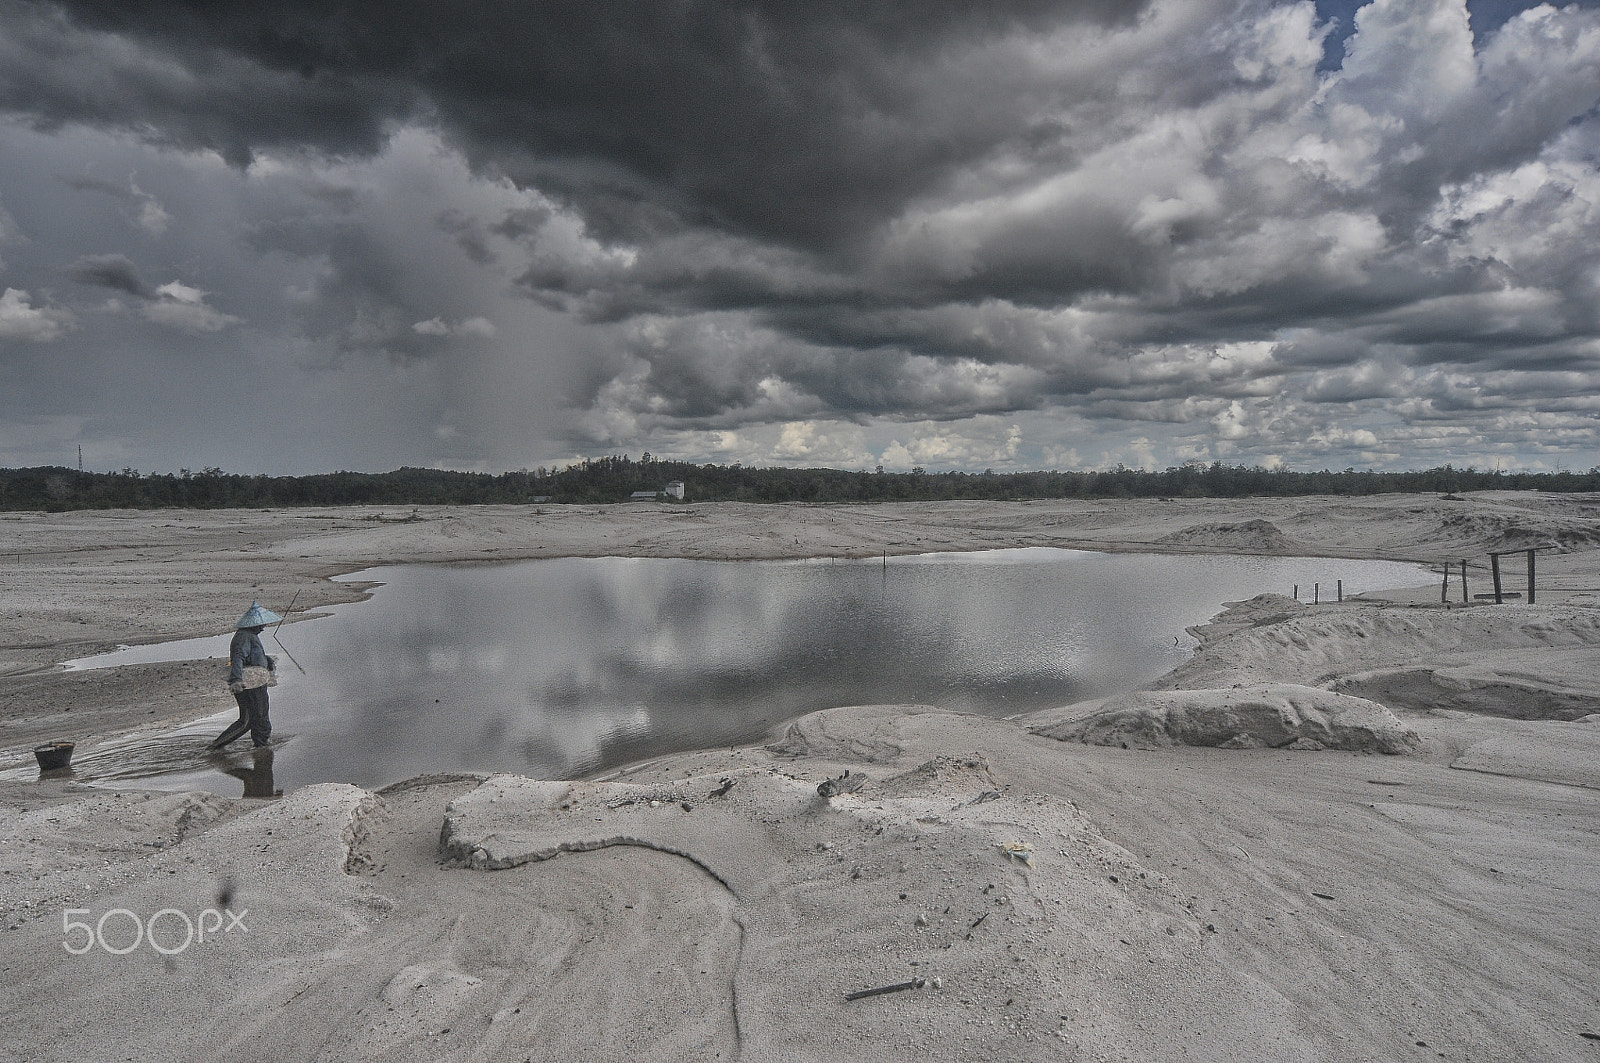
[(1464, 599), (1530, 576), (1494, 569), (1316, 594), (1444, 589), (1297, 592), (1341, 590)]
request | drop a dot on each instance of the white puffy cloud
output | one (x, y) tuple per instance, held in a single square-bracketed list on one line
[(182, 293), (821, 443), (152, 216), (21, 320), (984, 442), (479, 327), (179, 306)]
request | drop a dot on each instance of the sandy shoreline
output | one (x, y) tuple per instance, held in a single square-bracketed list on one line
[(1182, 902)]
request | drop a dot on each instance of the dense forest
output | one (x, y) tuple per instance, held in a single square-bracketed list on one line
[(613, 479)]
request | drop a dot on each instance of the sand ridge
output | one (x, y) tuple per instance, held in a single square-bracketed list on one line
[(1261, 716)]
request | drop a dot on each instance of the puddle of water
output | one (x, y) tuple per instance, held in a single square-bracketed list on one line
[(182, 650), (568, 666)]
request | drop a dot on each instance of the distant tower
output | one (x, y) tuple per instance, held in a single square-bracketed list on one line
[(80, 457)]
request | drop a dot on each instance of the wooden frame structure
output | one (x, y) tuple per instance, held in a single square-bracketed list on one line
[(1494, 572)]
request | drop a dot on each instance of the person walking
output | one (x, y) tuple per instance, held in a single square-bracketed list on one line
[(250, 673)]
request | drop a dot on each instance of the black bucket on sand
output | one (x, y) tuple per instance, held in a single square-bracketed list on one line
[(53, 756)]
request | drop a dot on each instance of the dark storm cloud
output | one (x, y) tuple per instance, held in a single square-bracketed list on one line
[(471, 235), (111, 271), (182, 86), (796, 121), (1224, 214), (362, 298), (96, 184), (1355, 385)]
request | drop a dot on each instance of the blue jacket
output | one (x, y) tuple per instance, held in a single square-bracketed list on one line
[(246, 651)]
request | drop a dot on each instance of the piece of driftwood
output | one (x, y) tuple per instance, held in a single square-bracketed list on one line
[(844, 784), (727, 784), (898, 987)]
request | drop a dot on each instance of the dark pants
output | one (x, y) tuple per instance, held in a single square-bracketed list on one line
[(252, 717)]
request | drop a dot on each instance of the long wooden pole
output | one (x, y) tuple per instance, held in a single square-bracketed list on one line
[(1464, 599), (279, 641), (286, 612), (1530, 576), (1494, 568)]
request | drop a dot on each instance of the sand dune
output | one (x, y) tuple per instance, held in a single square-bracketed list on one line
[(1043, 899), (1263, 716)]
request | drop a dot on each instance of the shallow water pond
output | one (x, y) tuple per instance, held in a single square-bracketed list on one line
[(565, 667)]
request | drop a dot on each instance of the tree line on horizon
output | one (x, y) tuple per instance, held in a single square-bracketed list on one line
[(614, 478)]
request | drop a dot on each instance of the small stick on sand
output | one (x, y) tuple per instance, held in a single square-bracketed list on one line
[(898, 987)]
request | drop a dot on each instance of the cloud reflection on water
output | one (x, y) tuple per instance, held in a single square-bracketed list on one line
[(566, 666)]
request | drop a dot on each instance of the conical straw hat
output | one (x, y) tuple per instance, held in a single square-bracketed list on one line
[(255, 616)]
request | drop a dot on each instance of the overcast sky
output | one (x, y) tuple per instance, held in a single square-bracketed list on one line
[(302, 236)]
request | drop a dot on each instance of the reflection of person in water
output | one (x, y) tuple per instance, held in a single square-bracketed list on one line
[(250, 672), (257, 776)]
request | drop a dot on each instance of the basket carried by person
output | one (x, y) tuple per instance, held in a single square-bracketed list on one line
[(254, 676)]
